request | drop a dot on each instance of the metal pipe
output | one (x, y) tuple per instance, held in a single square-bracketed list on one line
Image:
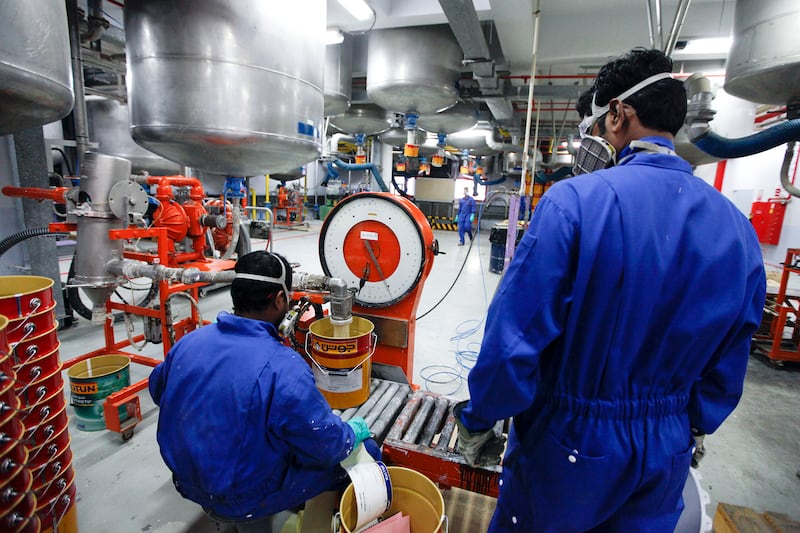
[(447, 432), (366, 407), (79, 108), (132, 269), (435, 422), (402, 421), (382, 402), (677, 25), (341, 302), (414, 429), (537, 16), (650, 23), (659, 30), (389, 412), (787, 163)]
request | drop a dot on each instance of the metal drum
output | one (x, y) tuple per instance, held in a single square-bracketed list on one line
[(413, 69), (461, 116), (227, 86), (35, 69), (363, 118), (21, 296), (764, 61), (109, 126), (338, 76)]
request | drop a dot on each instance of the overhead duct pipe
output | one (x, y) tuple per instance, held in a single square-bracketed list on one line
[(700, 113), (677, 25), (79, 109)]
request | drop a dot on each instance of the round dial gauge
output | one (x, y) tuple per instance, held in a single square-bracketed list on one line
[(374, 244)]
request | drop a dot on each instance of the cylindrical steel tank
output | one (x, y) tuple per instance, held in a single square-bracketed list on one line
[(227, 86), (363, 118), (35, 69), (461, 116), (764, 62), (413, 69), (94, 247), (109, 126), (473, 139), (338, 76)]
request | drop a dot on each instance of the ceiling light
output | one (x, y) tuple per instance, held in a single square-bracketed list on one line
[(358, 8), (713, 45), (333, 37)]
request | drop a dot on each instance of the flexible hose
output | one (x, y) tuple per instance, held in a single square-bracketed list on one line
[(718, 146), (332, 174), (12, 240), (365, 166)]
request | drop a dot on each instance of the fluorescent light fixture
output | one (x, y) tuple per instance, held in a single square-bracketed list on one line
[(333, 36), (712, 45), (358, 8)]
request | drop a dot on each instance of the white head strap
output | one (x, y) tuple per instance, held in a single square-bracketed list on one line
[(266, 279), (598, 111)]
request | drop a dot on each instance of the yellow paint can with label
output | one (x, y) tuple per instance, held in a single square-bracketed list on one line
[(90, 382), (342, 365)]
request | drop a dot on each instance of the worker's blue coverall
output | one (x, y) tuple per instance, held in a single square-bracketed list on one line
[(466, 207), (242, 425), (623, 320)]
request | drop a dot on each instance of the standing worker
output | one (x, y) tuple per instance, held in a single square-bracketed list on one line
[(643, 286), (466, 208), (242, 426)]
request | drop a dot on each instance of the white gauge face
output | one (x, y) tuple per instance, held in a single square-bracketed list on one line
[(373, 243)]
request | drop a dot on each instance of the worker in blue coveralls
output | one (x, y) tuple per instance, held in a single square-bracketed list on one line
[(466, 208), (242, 426), (620, 333)]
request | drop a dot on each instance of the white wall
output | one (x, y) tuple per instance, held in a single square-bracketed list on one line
[(753, 178)]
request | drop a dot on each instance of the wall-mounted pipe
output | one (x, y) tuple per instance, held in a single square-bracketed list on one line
[(364, 166), (787, 162)]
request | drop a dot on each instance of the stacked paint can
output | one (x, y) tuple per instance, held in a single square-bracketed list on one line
[(17, 501), (38, 385)]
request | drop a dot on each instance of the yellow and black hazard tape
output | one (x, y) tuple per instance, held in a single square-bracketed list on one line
[(442, 223)]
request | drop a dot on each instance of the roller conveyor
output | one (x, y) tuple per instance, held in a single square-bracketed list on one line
[(417, 429)]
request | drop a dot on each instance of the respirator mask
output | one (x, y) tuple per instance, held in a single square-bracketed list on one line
[(596, 153)]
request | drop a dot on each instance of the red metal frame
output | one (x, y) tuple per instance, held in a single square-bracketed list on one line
[(128, 396), (784, 313)]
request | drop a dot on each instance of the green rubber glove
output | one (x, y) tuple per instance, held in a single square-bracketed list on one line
[(360, 429), (483, 448), (472, 217)]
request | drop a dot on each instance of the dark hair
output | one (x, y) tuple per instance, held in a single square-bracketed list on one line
[(660, 106), (253, 296), (584, 105)]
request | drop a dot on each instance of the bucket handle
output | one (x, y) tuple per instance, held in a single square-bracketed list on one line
[(30, 327), (327, 372)]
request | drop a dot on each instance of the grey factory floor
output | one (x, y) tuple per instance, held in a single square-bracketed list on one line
[(124, 487)]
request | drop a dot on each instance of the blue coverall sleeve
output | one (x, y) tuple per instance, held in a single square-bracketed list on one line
[(156, 383), (718, 390), (527, 314), (316, 435)]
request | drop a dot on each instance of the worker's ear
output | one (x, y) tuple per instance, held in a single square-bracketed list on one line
[(619, 115)]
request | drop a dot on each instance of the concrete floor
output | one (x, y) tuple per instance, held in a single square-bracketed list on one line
[(124, 487)]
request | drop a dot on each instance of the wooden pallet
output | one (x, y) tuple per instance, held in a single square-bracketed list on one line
[(735, 519)]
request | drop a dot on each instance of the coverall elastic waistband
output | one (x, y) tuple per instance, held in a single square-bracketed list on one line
[(637, 408)]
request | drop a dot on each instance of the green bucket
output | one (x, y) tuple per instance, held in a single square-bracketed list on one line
[(90, 382)]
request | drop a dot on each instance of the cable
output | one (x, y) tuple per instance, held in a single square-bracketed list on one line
[(12, 240), (66, 159)]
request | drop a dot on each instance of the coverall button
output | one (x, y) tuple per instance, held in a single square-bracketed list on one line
[(514, 519), (500, 483), (572, 459)]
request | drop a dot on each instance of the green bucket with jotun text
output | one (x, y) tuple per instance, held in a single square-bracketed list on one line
[(90, 382)]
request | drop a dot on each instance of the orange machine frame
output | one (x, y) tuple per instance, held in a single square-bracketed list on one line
[(785, 312)]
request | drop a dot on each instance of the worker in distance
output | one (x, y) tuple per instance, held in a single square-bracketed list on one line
[(620, 333), (242, 425)]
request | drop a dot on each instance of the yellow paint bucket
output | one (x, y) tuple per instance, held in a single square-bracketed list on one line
[(342, 365), (413, 494)]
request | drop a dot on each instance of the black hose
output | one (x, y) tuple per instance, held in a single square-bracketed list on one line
[(12, 240), (66, 159)]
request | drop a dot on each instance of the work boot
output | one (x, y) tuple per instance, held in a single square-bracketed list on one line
[(461, 244)]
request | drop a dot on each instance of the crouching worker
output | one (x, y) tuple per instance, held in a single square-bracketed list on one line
[(242, 426)]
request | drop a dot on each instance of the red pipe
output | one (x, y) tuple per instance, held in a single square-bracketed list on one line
[(55, 194), (720, 175)]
